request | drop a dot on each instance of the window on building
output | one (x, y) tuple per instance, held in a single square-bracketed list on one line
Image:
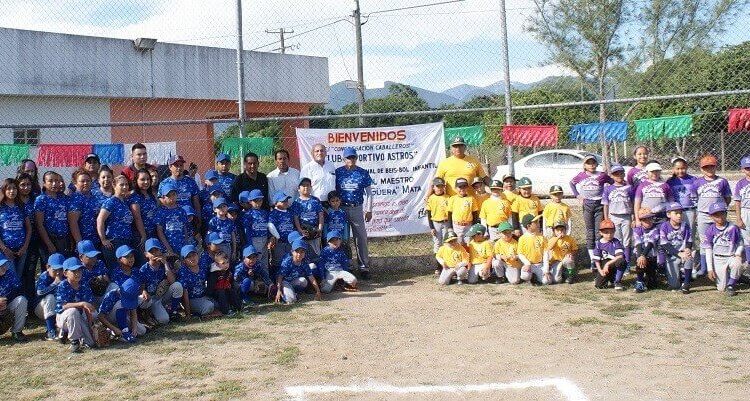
[(26, 137)]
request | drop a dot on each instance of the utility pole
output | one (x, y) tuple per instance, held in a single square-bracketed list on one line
[(360, 68), (240, 77), (506, 70), (281, 32)]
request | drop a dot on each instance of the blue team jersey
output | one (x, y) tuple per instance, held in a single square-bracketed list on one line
[(224, 227), (13, 225), (99, 195), (119, 224), (151, 277), (240, 271), (100, 269), (28, 210), (173, 222), (67, 294), (186, 189), (88, 206), (55, 211), (10, 283), (72, 187), (226, 181), (290, 271), (45, 285), (109, 301), (336, 221), (193, 282), (255, 223), (282, 220), (207, 208), (148, 206), (307, 210), (333, 259), (351, 184), (118, 276)]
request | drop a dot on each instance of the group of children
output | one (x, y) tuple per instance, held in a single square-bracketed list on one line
[(635, 219)]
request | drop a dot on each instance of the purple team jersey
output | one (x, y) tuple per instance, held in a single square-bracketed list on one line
[(644, 236), (681, 190), (605, 250), (589, 185), (619, 198), (724, 241), (635, 176), (742, 193), (653, 193), (710, 191), (673, 240)]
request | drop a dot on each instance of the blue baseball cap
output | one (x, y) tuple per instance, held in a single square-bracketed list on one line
[(214, 189), (674, 206), (215, 238), (745, 162), (299, 244), (211, 175), (293, 236), (87, 248), (350, 152), (189, 210), (244, 197), (218, 202), (223, 157), (129, 292), (152, 243), (232, 208), (72, 264), (249, 250), (717, 207), (255, 194), (333, 234), (55, 261), (616, 168), (280, 196), (187, 250), (166, 188), (123, 251)]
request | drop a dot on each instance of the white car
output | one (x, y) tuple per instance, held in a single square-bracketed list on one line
[(549, 167)]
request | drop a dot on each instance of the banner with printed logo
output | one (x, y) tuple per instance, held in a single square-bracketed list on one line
[(401, 161)]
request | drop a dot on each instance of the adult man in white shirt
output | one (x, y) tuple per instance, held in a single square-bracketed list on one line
[(283, 178), (322, 173)]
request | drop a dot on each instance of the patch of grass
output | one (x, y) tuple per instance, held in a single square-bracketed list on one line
[(669, 314), (619, 310), (729, 358), (191, 371), (630, 329), (330, 318), (223, 390), (287, 356), (744, 379), (586, 320)]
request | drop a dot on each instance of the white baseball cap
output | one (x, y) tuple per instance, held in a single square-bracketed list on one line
[(653, 167)]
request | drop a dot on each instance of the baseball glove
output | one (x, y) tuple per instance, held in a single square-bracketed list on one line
[(311, 232), (161, 289), (6, 321), (98, 286), (101, 335)]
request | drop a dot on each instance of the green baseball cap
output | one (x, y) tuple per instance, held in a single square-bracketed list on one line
[(560, 223), (496, 184), (477, 229), (504, 226), (527, 219), (555, 189), (450, 236), (524, 182)]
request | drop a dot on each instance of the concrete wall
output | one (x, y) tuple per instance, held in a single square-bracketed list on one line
[(52, 64)]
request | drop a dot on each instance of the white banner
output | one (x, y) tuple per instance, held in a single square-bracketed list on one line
[(401, 162)]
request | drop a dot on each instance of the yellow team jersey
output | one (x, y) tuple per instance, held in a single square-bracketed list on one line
[(532, 246), (554, 212), (523, 206), (452, 256), (510, 196), (562, 247), (438, 207), (479, 252), (454, 168), (495, 210), (461, 207), (508, 250), (480, 199)]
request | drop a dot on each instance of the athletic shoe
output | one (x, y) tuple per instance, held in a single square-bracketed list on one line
[(459, 282), (619, 287), (501, 280), (51, 335), (569, 280), (75, 347), (640, 287), (731, 291), (63, 337), (19, 337), (364, 273), (685, 288), (128, 336)]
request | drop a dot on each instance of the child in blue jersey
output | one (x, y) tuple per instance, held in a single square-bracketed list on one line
[(94, 268), (74, 307), (222, 225), (84, 209), (723, 248), (308, 215), (225, 176), (646, 238), (294, 275), (115, 222), (707, 190), (187, 189), (193, 237), (171, 221), (118, 311), (144, 204), (15, 227), (609, 258), (676, 248), (254, 222), (280, 225), (207, 206), (617, 200), (46, 290), (125, 268), (335, 220), (193, 278), (162, 293), (11, 299), (588, 186), (335, 265), (210, 180), (51, 217), (248, 272)]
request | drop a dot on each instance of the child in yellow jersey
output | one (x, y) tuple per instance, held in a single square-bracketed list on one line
[(506, 263), (480, 254), (495, 210), (437, 212), (562, 248), (525, 203), (454, 260), (509, 188), (556, 210), (532, 251), (462, 210), (480, 194)]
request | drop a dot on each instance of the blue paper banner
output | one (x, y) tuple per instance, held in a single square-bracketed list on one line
[(614, 131)]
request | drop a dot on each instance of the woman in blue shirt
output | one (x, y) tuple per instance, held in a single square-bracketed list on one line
[(26, 197), (51, 217), (106, 180), (15, 226), (29, 168), (143, 203), (84, 207), (115, 223)]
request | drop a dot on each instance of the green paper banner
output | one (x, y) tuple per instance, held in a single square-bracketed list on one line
[(235, 147), (670, 127), (473, 135), (13, 154)]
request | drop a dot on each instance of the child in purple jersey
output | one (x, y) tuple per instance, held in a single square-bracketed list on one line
[(652, 193), (676, 248), (708, 190), (617, 201), (680, 183), (609, 258), (646, 237), (588, 186), (638, 172), (741, 198), (723, 248)]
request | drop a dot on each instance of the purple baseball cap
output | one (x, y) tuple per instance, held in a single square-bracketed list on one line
[(674, 206), (745, 162), (616, 168), (717, 207)]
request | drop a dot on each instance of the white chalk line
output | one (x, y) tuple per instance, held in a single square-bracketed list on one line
[(567, 388)]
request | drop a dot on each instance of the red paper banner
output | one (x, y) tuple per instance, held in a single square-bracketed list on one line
[(739, 120), (62, 155), (530, 135)]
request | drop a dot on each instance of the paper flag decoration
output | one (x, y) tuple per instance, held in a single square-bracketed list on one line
[(670, 127), (13, 154), (236, 147), (111, 154), (739, 120), (473, 135), (614, 131), (530, 135), (56, 155)]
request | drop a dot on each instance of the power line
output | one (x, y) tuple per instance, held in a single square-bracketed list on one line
[(302, 33)]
